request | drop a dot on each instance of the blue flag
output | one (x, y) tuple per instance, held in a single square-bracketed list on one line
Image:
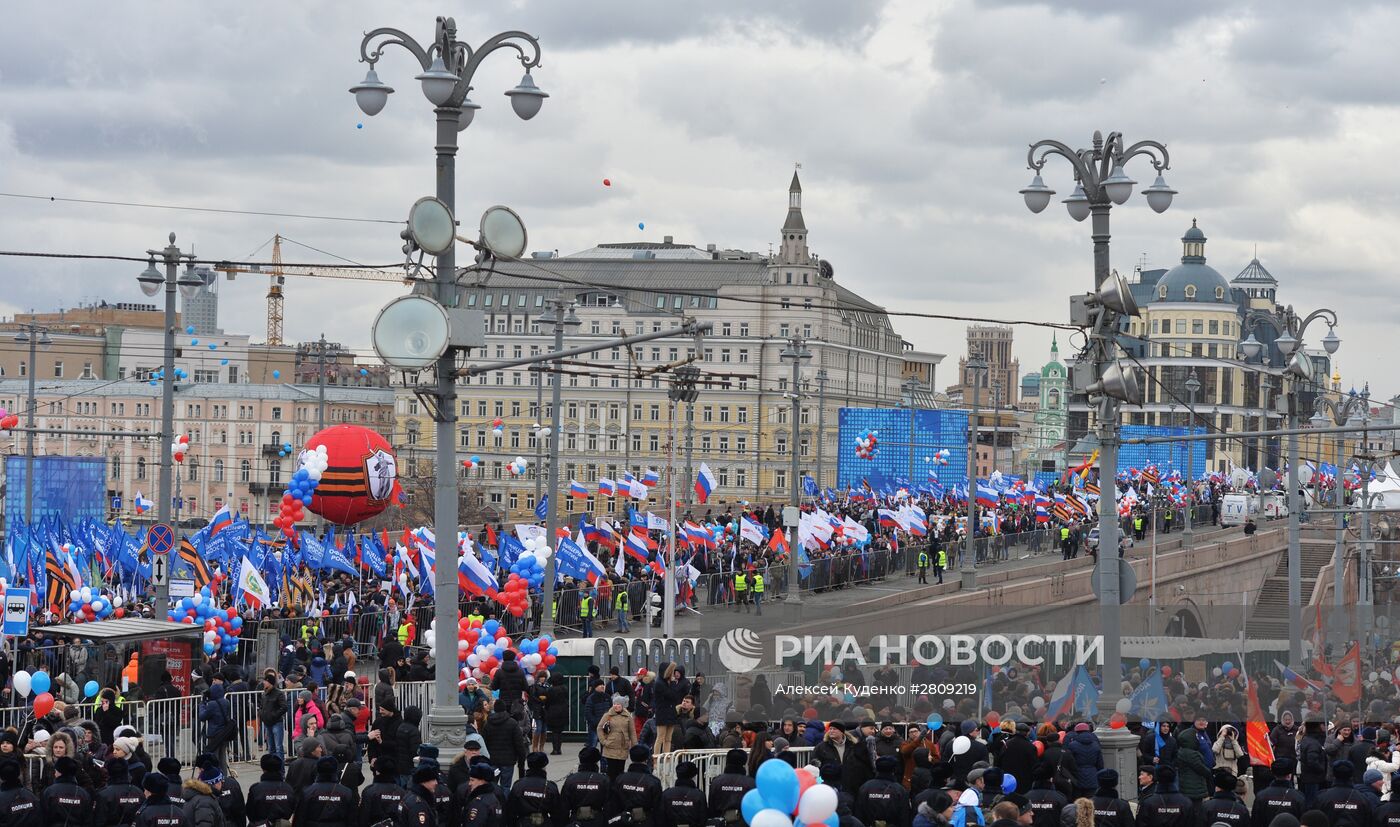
[(542, 510), (809, 486), (1149, 701), (510, 550)]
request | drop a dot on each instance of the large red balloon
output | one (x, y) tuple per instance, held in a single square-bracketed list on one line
[(362, 478), (43, 704)]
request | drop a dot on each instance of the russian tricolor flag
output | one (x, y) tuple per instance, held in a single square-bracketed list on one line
[(704, 483), (987, 497), (607, 488), (474, 578), (222, 519), (1296, 680), (142, 504), (578, 490), (650, 478), (636, 548), (888, 519)]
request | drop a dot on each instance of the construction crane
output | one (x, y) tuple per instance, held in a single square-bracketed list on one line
[(279, 273)]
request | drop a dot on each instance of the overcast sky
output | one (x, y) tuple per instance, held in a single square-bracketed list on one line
[(910, 119)]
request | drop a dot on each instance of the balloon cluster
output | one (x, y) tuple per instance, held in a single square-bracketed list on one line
[(781, 792), (517, 467), (8, 420), (285, 450), (472, 462), (88, 604), (301, 489), (940, 457), (179, 447), (160, 374), (497, 427), (482, 646), (1226, 669), (39, 684), (221, 626), (868, 444)]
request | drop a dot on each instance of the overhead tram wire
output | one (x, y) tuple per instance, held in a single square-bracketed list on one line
[(188, 208)]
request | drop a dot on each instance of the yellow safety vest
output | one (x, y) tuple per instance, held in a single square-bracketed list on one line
[(942, 559), (585, 608), (1064, 532), (1137, 523), (923, 559), (476, 619), (741, 583), (758, 584), (403, 633), (620, 602), (308, 631)]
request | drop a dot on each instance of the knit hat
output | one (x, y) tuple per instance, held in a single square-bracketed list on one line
[(1371, 776), (620, 700), (127, 745), (639, 754), (536, 761), (271, 764), (425, 773), (326, 768), (780, 743), (155, 784), (1082, 727), (212, 775), (483, 772), (687, 770)]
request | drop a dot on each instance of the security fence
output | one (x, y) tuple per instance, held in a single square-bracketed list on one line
[(709, 761)]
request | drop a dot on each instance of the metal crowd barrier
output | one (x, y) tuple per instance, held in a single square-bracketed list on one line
[(710, 762)]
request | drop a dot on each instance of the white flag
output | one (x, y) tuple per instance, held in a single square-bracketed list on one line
[(252, 585), (637, 489)]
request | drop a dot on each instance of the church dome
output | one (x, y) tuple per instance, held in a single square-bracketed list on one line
[(1193, 280)]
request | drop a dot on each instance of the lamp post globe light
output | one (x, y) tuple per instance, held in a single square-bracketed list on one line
[(152, 282), (1298, 369), (448, 67), (1101, 179)]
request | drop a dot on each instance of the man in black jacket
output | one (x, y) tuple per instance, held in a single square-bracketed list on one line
[(534, 800), (117, 803), (883, 801), (480, 806), (1018, 756), (584, 795), (1167, 807), (728, 788), (682, 805), (1312, 762), (1224, 807), (19, 807), (201, 799), (1046, 801), (381, 803), (170, 768), (159, 810), (272, 716), (326, 803), (1109, 809), (636, 792), (420, 805), (270, 798), (1278, 797), (509, 681), (229, 794), (1342, 802), (64, 801)]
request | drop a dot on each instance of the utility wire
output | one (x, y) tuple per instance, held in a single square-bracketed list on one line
[(187, 208)]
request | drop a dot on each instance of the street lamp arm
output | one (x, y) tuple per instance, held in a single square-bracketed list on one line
[(1083, 169), (391, 37), (471, 58), (1321, 313), (1152, 150)]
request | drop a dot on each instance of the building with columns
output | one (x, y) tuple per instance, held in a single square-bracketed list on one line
[(616, 415)]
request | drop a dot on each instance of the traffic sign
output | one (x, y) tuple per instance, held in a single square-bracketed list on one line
[(116, 503), (181, 588), (160, 539), (160, 570), (16, 612), (1127, 580)]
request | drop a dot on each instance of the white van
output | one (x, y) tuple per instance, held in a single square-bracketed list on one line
[(1236, 508)]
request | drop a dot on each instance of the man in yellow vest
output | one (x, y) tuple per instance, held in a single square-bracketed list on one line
[(922, 564), (1138, 526), (941, 564), (758, 591), (741, 591), (585, 611), (1064, 541), (406, 632), (622, 607)]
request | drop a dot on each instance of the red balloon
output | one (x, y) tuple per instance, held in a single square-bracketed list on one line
[(607, 182), (1118, 721), (119, 613), (43, 704), (361, 479), (325, 613), (187, 619), (993, 720), (277, 522), (232, 613), (1040, 748), (1166, 671)]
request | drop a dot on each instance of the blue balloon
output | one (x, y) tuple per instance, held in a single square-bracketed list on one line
[(277, 374), (194, 342), (935, 721), (1008, 784), (40, 682), (751, 803), (213, 346), (209, 649), (554, 650), (189, 329), (642, 226), (364, 371), (1144, 664), (1226, 666), (491, 626), (223, 361), (476, 460), (777, 780), (153, 383), (833, 820), (90, 689)]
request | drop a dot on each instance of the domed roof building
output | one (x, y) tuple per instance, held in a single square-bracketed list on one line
[(1193, 280)]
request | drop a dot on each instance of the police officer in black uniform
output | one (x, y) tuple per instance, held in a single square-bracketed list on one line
[(1279, 797), (229, 794), (117, 803), (270, 798), (159, 810), (1046, 801), (420, 804), (1166, 807), (170, 768), (683, 805), (1224, 807), (381, 803), (584, 796), (728, 788), (1388, 814), (882, 801), (327, 802), (636, 792), (1109, 809), (534, 800), (64, 802), (845, 802), (480, 806), (442, 791), (19, 807), (1342, 802)]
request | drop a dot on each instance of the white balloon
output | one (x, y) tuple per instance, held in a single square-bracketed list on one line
[(473, 660), (1123, 705), (117, 601), (1038, 702), (770, 818), (961, 744), (816, 804), (21, 681), (86, 594)]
